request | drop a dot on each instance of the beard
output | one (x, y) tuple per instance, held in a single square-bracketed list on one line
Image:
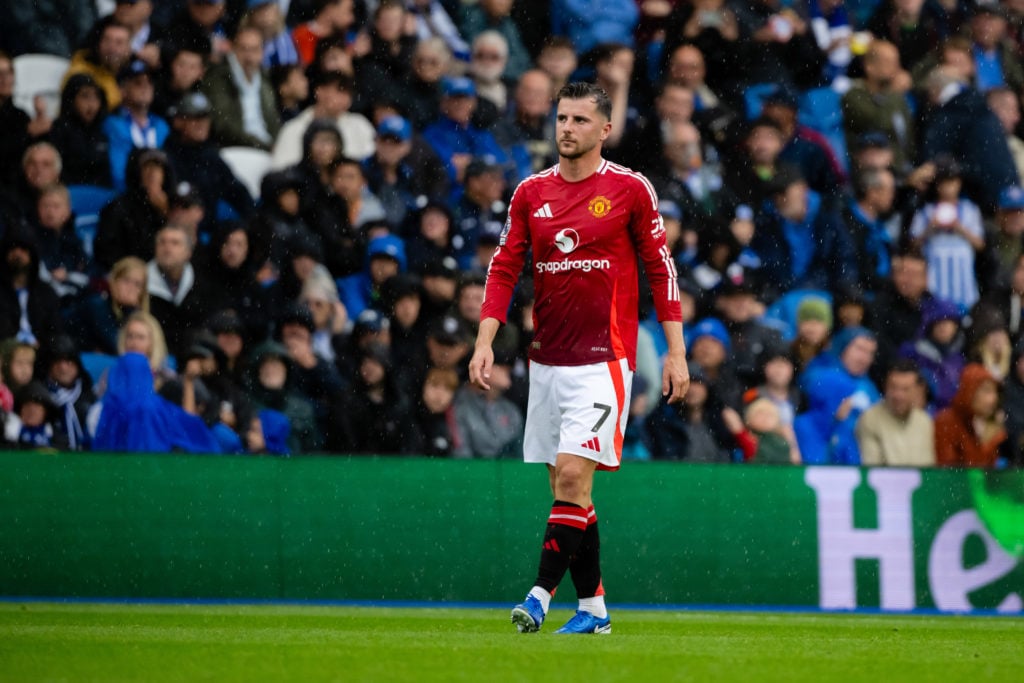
[(577, 152)]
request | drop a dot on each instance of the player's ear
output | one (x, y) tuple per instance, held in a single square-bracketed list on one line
[(606, 130)]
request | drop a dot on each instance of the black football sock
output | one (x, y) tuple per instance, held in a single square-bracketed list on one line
[(585, 567), (567, 524)]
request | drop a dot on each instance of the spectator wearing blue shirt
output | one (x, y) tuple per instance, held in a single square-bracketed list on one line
[(454, 137), (132, 126), (589, 23)]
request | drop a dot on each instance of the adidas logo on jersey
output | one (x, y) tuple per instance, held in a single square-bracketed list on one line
[(593, 445), (543, 212)]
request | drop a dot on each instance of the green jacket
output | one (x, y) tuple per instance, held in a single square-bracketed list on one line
[(864, 112), (225, 99)]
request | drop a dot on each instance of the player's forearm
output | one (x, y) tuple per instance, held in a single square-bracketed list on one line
[(488, 329), (674, 336)]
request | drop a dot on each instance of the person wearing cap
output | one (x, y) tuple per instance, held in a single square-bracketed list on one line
[(70, 391), (244, 111), (878, 103), (196, 159), (804, 147), (132, 125), (874, 193), (710, 346), (801, 241), (109, 52), (385, 257), (588, 224), (961, 125), (333, 94), (448, 344), (479, 211), (454, 136), (950, 232)]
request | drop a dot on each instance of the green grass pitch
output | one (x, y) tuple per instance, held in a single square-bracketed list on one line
[(157, 643)]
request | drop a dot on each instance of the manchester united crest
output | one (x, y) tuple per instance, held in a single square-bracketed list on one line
[(599, 206)]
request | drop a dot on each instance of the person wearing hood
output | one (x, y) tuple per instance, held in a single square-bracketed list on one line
[(128, 224), (132, 417), (70, 390), (109, 49), (378, 417), (826, 430), (970, 432), (801, 243), (228, 262), (270, 386), (78, 133), (693, 431), (938, 350), (850, 356), (29, 308), (385, 257), (278, 220)]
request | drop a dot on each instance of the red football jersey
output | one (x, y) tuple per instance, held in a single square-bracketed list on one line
[(585, 237)]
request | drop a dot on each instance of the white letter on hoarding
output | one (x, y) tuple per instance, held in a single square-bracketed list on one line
[(950, 581), (840, 543)]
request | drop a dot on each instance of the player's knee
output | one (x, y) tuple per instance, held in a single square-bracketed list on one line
[(572, 483)]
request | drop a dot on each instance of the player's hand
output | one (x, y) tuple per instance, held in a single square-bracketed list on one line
[(675, 377), (480, 367)]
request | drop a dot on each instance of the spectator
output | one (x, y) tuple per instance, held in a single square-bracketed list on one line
[(109, 51), (558, 60), (244, 111), (874, 191), (487, 67), (1009, 301), (332, 17), (420, 92), (95, 322), (895, 431), (132, 125), (970, 432), (268, 433), (128, 224), (495, 15), (673, 107), (759, 433), (291, 86), (141, 333), (962, 125), (78, 133), (35, 413), (738, 306), (230, 334), (378, 416), (278, 46), (18, 128), (988, 342), (692, 431), (314, 377), (776, 370), (801, 243), (200, 23), (949, 230), (348, 181), (878, 103), (270, 386), (330, 319), (41, 168), (448, 344), (62, 259), (70, 390), (1004, 242), (431, 238), (454, 137), (29, 308), (278, 221), (489, 425), (54, 27), (750, 171), (996, 62), (1013, 399), (695, 187), (186, 67), (18, 361), (781, 48), (146, 36), (938, 351), (133, 417), (528, 129), (480, 210), (392, 44), (1004, 104), (230, 270), (433, 21), (180, 298), (385, 257), (813, 330), (709, 346), (435, 434), (401, 300), (400, 174), (6, 397), (613, 71), (900, 302), (589, 24), (196, 159), (332, 99), (852, 353), (825, 431), (711, 30), (913, 26)]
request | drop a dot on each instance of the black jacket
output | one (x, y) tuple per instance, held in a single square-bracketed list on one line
[(83, 147), (43, 306)]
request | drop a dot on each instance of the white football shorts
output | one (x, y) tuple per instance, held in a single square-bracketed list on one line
[(578, 409)]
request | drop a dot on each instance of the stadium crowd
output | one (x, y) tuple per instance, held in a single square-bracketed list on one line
[(840, 184)]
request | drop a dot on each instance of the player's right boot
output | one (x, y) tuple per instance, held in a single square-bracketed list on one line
[(585, 622), (528, 615)]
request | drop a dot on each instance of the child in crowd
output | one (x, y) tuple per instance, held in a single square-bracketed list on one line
[(31, 425), (759, 434), (60, 251), (949, 230), (436, 434), (18, 361), (268, 433)]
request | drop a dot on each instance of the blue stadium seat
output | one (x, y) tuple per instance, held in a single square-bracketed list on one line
[(96, 364), (87, 201)]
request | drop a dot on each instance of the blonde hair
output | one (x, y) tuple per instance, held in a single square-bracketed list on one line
[(760, 405), (446, 377), (123, 268), (158, 353)]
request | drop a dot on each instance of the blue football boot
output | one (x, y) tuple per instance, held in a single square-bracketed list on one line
[(528, 615), (585, 622)]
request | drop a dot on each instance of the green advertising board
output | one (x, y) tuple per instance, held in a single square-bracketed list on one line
[(341, 528)]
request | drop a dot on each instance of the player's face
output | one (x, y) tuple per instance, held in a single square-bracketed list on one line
[(580, 128)]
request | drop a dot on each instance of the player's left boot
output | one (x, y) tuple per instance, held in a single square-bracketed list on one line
[(528, 615), (585, 622)]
